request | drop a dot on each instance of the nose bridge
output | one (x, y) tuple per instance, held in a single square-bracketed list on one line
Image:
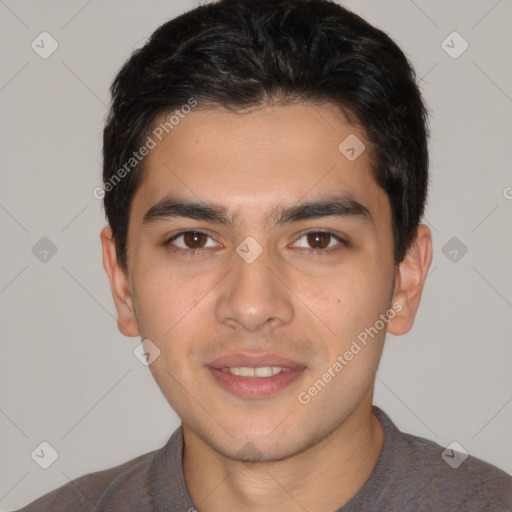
[(252, 295)]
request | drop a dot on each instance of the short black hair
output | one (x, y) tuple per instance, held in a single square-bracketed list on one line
[(241, 54)]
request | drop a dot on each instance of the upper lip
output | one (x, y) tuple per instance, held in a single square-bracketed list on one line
[(253, 360)]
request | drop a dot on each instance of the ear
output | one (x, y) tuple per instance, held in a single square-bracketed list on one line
[(126, 320), (409, 281)]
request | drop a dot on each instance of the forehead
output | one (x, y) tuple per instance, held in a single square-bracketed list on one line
[(269, 157)]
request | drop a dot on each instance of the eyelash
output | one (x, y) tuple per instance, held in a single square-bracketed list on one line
[(317, 252)]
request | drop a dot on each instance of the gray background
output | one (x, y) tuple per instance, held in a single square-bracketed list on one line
[(70, 378)]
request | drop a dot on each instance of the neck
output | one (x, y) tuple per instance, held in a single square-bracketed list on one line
[(326, 476)]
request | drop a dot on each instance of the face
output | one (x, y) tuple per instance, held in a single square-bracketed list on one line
[(255, 244)]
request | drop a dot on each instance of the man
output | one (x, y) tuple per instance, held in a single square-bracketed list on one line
[(266, 171)]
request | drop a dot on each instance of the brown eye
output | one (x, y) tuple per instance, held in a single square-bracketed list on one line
[(319, 240), (195, 239), (192, 241)]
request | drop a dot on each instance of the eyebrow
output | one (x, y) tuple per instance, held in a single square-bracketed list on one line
[(339, 206)]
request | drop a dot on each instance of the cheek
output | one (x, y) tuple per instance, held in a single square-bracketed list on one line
[(163, 301), (347, 301)]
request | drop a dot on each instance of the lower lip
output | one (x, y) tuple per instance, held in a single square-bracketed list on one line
[(255, 387)]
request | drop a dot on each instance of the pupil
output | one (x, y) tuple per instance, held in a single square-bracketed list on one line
[(318, 240)]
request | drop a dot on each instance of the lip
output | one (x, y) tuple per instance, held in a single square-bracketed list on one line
[(253, 360), (254, 387)]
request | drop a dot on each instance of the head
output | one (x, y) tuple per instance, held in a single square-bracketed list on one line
[(288, 138)]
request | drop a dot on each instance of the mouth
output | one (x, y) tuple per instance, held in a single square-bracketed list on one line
[(251, 375)]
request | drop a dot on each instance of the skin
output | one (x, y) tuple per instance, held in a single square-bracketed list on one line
[(293, 300)]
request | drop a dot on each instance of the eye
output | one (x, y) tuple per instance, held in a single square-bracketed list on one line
[(192, 241), (319, 241)]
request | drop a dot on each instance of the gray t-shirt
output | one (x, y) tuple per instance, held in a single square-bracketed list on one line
[(410, 476)]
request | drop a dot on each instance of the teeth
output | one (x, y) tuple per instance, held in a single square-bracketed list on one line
[(262, 371)]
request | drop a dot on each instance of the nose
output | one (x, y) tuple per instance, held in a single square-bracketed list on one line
[(253, 296)]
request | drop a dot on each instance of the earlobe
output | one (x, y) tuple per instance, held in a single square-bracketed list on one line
[(126, 319), (409, 281)]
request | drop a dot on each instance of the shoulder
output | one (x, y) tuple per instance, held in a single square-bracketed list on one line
[(456, 478), (84, 493), (419, 474)]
